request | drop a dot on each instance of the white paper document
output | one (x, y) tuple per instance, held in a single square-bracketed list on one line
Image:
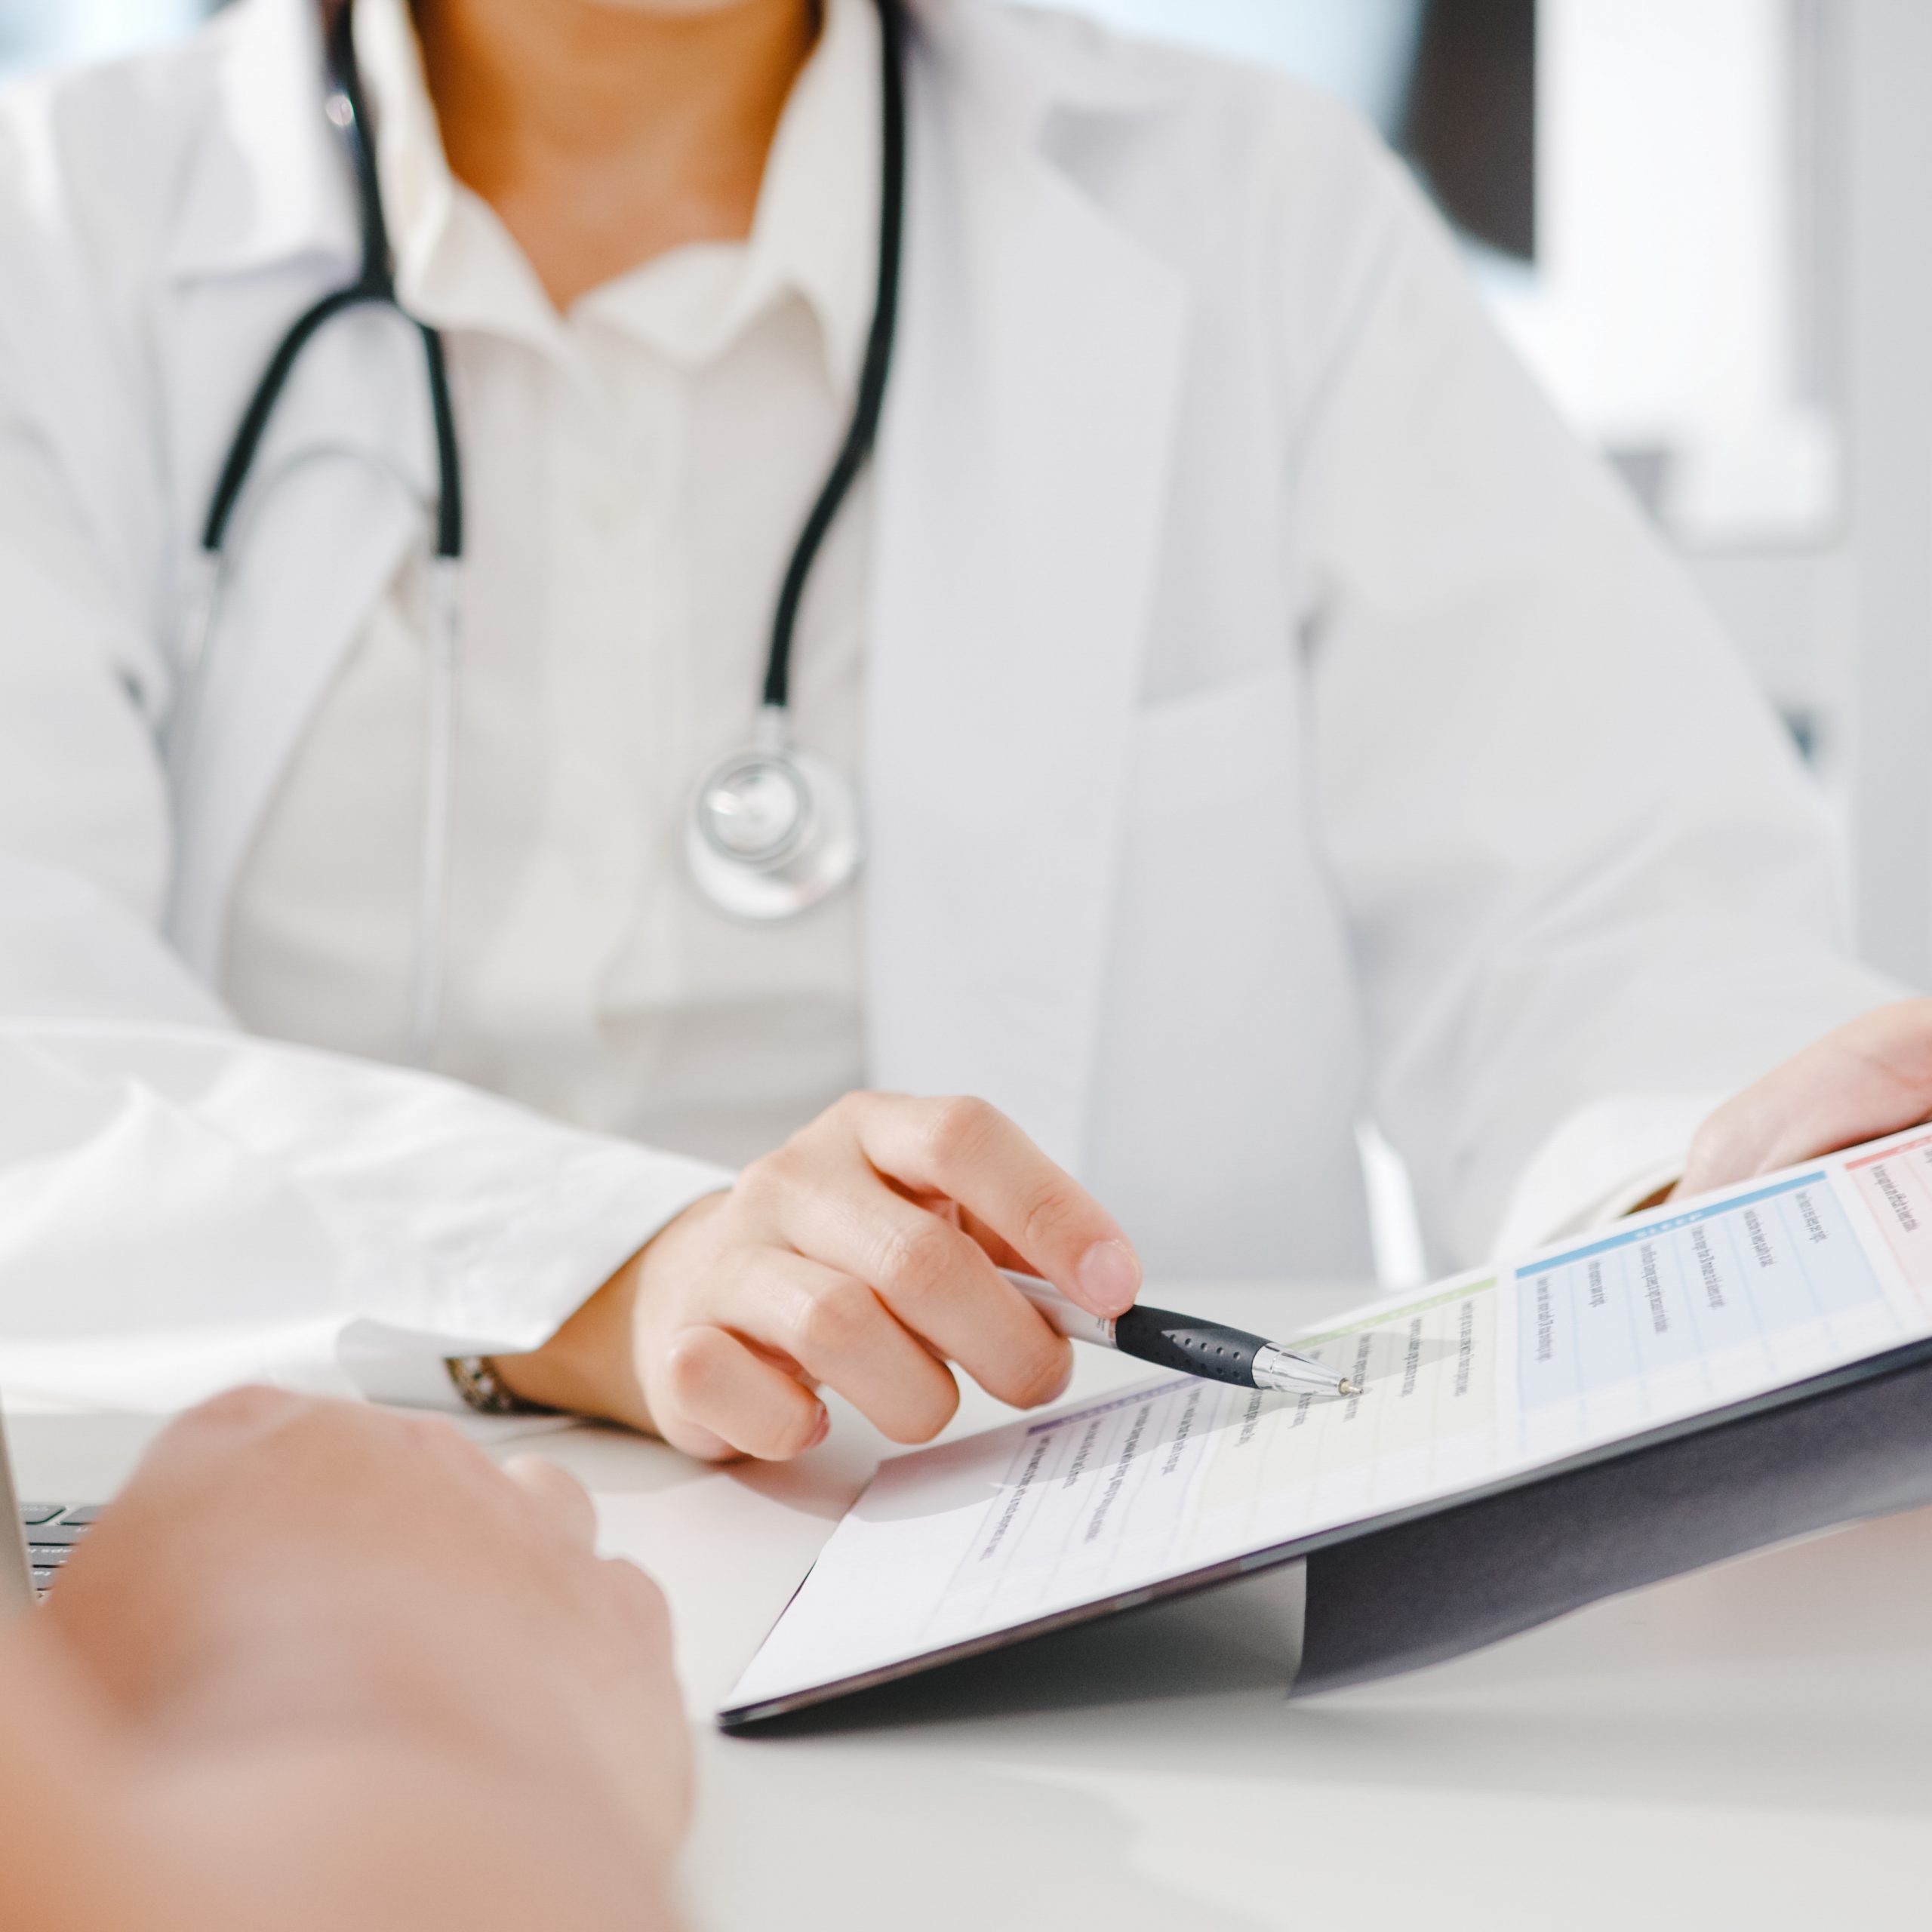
[(1470, 1381)]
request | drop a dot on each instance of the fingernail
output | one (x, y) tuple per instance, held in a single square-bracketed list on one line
[(1108, 1277), (824, 1429)]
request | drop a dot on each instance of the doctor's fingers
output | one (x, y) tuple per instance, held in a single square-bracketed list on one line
[(720, 1398), (920, 1273), (841, 1334), (969, 1152), (1872, 1076)]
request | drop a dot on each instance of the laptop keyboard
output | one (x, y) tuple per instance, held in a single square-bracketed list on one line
[(52, 1531)]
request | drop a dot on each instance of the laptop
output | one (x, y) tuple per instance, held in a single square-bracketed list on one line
[(41, 1538)]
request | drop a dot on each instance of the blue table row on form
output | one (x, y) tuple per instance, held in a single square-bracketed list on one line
[(1736, 1273)]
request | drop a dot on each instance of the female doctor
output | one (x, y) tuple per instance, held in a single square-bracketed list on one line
[(586, 580)]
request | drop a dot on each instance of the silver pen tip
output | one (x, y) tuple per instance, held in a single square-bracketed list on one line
[(1346, 1387)]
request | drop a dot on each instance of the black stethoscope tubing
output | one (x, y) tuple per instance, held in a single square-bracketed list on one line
[(375, 284), (864, 429)]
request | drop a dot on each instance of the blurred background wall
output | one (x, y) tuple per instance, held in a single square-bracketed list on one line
[(40, 32)]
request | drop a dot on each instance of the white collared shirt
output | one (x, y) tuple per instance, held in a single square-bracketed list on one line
[(636, 474)]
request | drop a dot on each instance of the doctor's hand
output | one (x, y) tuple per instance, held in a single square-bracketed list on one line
[(1873, 1075), (862, 1256)]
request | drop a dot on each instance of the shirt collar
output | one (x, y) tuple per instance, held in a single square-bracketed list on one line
[(813, 232)]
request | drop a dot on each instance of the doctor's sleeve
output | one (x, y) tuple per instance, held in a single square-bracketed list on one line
[(182, 1206), (1589, 887)]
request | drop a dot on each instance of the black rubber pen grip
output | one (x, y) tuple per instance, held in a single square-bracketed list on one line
[(1181, 1341)]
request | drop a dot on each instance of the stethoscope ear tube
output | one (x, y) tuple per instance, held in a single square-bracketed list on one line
[(374, 283), (863, 432)]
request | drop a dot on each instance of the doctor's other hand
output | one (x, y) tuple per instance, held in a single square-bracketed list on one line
[(863, 1256), (1872, 1075)]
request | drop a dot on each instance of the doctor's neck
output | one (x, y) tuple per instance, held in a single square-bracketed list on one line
[(605, 132)]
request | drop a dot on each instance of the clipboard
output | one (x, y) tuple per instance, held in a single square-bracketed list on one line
[(1395, 1589), (1401, 1595)]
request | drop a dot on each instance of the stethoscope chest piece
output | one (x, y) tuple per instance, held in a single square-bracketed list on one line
[(772, 829)]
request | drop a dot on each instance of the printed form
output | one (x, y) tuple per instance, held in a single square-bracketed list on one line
[(1663, 1317)]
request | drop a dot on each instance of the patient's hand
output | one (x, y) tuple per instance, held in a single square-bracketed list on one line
[(1872, 1076), (353, 1655), (863, 1255)]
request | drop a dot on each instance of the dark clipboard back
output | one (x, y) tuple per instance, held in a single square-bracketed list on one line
[(1397, 1592)]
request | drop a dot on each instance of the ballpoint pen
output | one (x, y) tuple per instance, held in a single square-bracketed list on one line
[(1185, 1342)]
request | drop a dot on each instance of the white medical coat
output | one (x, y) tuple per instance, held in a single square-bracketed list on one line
[(1272, 720)]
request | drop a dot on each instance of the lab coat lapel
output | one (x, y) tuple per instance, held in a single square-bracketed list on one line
[(267, 183), (1025, 456), (337, 503), (337, 496)]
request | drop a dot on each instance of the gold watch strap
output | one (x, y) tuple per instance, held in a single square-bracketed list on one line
[(479, 1385)]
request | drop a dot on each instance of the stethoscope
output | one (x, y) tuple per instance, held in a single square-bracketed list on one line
[(772, 829)]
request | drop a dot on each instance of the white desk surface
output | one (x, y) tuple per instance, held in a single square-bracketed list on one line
[(1750, 1746)]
